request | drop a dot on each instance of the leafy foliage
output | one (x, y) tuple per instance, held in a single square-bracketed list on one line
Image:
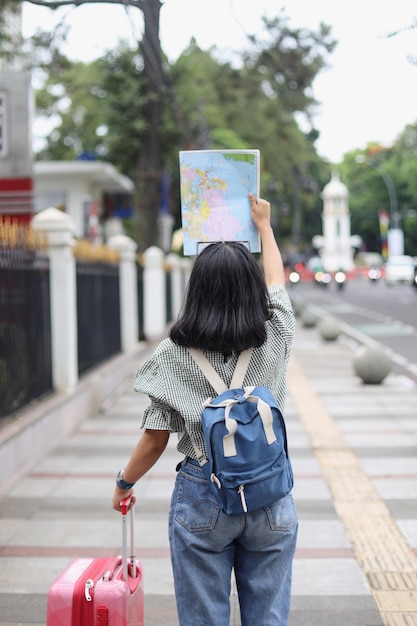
[(105, 109), (363, 171), (9, 47), (100, 109)]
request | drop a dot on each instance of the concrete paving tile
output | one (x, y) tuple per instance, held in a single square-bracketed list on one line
[(18, 609), (409, 424), (315, 510), (157, 576), (384, 452), (95, 441), (19, 508), (311, 488), (362, 424), (368, 404), (305, 466), (341, 407), (97, 454), (376, 439), (297, 440), (34, 487), (395, 489), (405, 508), (57, 464), (167, 464), (160, 610), (80, 487), (408, 528), (8, 530), (316, 534), (302, 453), (385, 421), (29, 574), (133, 410), (292, 422), (89, 533), (117, 425), (22, 623), (327, 577), (393, 466), (76, 464), (51, 488), (162, 489), (334, 611), (57, 509), (151, 533)]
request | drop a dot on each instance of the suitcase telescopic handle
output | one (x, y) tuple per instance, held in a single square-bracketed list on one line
[(124, 506)]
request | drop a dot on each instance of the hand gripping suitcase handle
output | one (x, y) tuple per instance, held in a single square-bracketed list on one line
[(124, 505)]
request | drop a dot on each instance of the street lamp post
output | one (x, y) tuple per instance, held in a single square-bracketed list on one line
[(394, 233)]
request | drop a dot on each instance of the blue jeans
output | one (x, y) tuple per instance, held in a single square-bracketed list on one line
[(206, 545)]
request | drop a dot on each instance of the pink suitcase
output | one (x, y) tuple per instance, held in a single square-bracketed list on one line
[(101, 591)]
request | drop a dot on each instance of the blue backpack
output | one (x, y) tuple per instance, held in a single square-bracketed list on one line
[(247, 462)]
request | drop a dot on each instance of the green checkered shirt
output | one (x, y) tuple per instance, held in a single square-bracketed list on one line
[(177, 388)]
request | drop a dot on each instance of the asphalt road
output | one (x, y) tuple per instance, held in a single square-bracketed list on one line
[(385, 314)]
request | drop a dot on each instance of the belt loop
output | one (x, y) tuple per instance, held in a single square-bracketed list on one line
[(181, 463)]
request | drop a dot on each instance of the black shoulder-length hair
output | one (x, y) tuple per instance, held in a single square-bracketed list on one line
[(226, 303)]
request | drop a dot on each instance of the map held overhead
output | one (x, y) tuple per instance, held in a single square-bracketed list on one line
[(214, 197)]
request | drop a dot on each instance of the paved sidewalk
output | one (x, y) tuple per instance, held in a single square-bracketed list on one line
[(354, 454)]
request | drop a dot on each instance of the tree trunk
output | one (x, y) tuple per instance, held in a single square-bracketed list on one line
[(149, 165)]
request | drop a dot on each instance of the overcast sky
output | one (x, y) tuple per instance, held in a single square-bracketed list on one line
[(368, 94)]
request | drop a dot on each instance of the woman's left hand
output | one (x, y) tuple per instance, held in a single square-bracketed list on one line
[(122, 494)]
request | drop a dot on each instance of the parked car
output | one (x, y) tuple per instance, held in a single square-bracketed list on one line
[(399, 269)]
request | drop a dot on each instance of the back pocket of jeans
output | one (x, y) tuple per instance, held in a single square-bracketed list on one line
[(195, 508), (282, 515)]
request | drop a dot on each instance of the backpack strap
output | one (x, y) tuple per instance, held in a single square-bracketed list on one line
[(212, 376), (241, 368), (217, 383), (208, 370)]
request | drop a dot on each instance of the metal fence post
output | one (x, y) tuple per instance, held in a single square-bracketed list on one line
[(59, 230), (154, 296), (128, 290)]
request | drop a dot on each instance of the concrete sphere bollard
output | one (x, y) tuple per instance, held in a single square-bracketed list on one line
[(308, 318), (298, 304), (329, 329), (371, 364)]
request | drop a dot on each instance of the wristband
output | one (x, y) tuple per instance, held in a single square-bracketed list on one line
[(121, 483)]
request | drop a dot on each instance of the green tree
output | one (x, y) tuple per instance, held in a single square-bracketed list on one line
[(71, 101), (9, 48), (145, 117), (363, 172), (404, 163), (148, 160), (251, 106)]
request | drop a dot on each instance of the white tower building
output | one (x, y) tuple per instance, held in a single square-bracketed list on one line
[(336, 244)]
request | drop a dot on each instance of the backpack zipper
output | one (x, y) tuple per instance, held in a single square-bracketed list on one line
[(241, 492), (215, 480)]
